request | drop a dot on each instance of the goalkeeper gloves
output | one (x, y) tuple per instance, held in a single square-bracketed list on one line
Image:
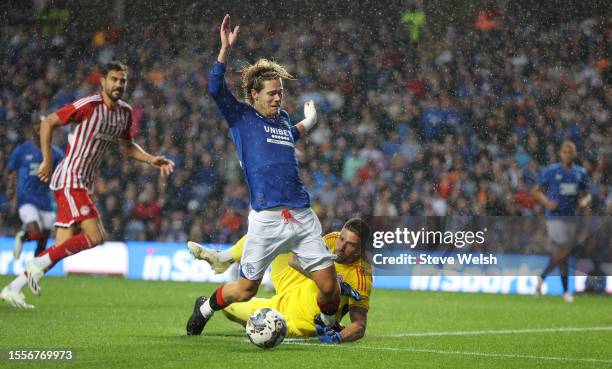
[(327, 334), (347, 290)]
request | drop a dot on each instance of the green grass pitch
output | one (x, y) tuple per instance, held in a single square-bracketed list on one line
[(118, 323)]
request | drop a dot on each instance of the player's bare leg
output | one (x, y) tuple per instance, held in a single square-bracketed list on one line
[(328, 297), (90, 235), (12, 292), (94, 229), (62, 234), (31, 233), (563, 263), (237, 291), (37, 267), (41, 243), (559, 259)]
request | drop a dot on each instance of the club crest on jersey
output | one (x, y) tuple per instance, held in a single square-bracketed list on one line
[(558, 177), (248, 269), (84, 210)]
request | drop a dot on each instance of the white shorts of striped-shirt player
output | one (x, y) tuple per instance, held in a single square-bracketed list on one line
[(277, 231)]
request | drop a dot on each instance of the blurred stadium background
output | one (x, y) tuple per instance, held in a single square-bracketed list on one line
[(439, 108)]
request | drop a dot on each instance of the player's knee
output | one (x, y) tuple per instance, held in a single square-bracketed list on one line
[(327, 282), (330, 288), (96, 238), (103, 236)]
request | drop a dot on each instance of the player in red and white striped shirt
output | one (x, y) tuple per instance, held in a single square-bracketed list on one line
[(98, 122)]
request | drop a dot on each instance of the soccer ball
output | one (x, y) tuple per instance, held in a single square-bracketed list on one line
[(266, 328)]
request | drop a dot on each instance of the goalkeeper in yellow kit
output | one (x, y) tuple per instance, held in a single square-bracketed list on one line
[(296, 294)]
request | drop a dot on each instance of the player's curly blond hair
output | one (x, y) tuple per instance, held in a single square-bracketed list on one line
[(254, 75)]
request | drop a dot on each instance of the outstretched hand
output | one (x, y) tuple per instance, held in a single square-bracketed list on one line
[(228, 37), (310, 112), (310, 117), (166, 166), (44, 171)]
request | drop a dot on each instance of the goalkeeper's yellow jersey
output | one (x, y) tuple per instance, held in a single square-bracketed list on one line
[(296, 295)]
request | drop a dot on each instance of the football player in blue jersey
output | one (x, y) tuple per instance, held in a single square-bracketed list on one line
[(281, 219), (34, 199), (563, 189)]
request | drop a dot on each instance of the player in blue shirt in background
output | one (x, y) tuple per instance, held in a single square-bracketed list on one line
[(281, 219), (559, 189), (34, 199)]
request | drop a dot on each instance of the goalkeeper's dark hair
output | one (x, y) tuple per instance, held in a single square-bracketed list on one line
[(253, 76), (362, 229)]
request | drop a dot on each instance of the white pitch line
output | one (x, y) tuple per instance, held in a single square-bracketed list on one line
[(500, 331), (464, 353)]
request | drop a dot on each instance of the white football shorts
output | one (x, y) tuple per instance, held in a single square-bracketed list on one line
[(562, 231), (279, 230), (30, 213)]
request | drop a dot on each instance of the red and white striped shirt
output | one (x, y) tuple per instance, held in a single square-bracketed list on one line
[(95, 128)]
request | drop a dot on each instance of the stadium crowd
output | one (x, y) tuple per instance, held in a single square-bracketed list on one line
[(458, 126)]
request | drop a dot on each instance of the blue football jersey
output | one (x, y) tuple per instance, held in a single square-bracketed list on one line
[(564, 186), (265, 147), (25, 159)]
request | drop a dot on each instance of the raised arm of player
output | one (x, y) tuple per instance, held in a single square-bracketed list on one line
[(217, 87), (46, 135), (310, 118), (134, 150), (228, 37)]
